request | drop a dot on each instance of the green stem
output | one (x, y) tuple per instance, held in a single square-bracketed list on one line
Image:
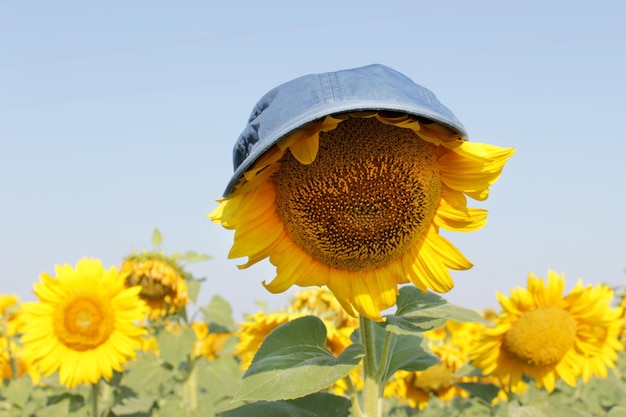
[(371, 386), (356, 407), (384, 358), (94, 399), (12, 361)]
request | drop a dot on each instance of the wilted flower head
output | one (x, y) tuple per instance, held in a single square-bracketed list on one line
[(161, 279)]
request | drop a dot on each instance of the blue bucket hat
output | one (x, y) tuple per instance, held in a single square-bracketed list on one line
[(311, 97)]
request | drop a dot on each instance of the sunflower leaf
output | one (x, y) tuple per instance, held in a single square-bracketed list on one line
[(18, 391), (218, 315), (157, 237), (422, 311), (135, 403), (193, 289), (293, 361), (219, 377), (409, 353), (193, 256), (320, 404), (175, 347), (485, 392), (146, 374)]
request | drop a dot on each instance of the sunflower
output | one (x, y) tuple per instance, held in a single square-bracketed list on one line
[(548, 336), (9, 315), (355, 202), (253, 331), (162, 282), (321, 303), (208, 344), (318, 302), (85, 323), (12, 362)]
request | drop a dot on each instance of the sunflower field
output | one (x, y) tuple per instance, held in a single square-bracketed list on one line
[(131, 341), (345, 183)]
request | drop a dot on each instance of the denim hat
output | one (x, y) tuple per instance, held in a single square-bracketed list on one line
[(311, 97)]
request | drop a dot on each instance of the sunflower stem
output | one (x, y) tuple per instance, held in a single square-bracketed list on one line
[(371, 385), (94, 399), (384, 359), (12, 360), (356, 407)]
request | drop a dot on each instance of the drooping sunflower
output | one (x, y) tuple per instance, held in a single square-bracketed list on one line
[(85, 324), (344, 180), (548, 336), (162, 282)]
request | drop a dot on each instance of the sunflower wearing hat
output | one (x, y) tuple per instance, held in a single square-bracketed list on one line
[(345, 179)]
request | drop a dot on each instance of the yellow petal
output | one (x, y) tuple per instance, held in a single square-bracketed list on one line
[(472, 167), (305, 149), (454, 215)]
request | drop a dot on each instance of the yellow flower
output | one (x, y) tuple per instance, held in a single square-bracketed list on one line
[(321, 303), (12, 361), (254, 330), (318, 302), (208, 344), (547, 336), (355, 201), (84, 324), (9, 315), (162, 282)]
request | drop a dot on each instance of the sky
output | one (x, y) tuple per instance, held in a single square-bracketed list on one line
[(118, 117)]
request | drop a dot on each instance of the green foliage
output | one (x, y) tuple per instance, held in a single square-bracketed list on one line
[(293, 361), (176, 346), (292, 371), (407, 352), (422, 311), (219, 315), (157, 237), (315, 405)]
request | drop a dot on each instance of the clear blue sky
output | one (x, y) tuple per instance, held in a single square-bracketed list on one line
[(117, 117)]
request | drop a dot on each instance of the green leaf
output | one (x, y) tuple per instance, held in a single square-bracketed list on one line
[(134, 404), (407, 352), (484, 392), (525, 411), (173, 407), (157, 238), (62, 408), (618, 411), (422, 311), (193, 256), (147, 374), (218, 314), (219, 377), (193, 289), (315, 405), (293, 361), (175, 347), (18, 391)]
